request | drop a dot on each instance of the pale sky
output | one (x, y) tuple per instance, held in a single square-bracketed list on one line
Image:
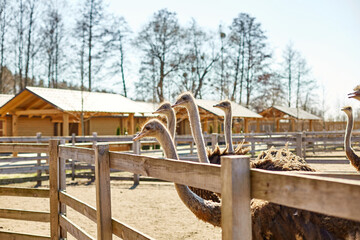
[(325, 32)]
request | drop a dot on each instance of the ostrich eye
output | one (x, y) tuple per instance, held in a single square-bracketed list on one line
[(147, 127)]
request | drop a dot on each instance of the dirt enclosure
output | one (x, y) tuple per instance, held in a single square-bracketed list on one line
[(152, 207)]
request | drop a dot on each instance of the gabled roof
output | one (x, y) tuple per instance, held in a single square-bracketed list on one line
[(237, 110), (36, 100), (297, 113), (4, 98), (71, 100)]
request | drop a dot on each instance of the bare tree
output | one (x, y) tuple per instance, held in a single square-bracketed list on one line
[(159, 42), (53, 35), (290, 56), (199, 59), (116, 47)]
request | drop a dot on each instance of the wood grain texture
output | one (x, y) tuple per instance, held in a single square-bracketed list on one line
[(235, 197), (204, 176), (335, 197), (54, 189), (24, 147), (77, 153), (36, 216), (78, 206), (24, 192), (21, 236), (73, 229), (103, 195)]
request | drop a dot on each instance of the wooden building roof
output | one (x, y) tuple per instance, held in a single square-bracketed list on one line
[(287, 113), (238, 111), (4, 98), (61, 100)]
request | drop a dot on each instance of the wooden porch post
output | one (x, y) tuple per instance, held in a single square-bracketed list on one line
[(311, 126), (257, 125), (277, 125), (246, 125), (65, 124), (14, 125), (216, 125), (131, 124), (206, 125)]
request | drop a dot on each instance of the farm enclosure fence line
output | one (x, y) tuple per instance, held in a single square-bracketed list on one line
[(315, 147), (332, 194)]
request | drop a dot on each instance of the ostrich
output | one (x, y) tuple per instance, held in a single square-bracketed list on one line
[(351, 155), (215, 156), (269, 221), (355, 94), (187, 100), (168, 111), (165, 109), (205, 210)]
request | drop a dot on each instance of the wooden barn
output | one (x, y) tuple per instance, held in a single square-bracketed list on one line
[(212, 119), (287, 119), (58, 112)]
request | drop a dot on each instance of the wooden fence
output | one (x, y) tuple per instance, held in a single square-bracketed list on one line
[(331, 194), (315, 147)]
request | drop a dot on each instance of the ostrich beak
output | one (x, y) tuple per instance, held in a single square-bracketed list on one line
[(178, 103), (354, 94), (216, 105), (157, 111), (139, 136)]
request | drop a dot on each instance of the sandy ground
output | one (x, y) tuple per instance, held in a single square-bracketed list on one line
[(152, 207)]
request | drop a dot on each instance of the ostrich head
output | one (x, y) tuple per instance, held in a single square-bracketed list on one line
[(184, 100), (355, 94), (347, 110), (223, 105), (152, 128), (164, 107)]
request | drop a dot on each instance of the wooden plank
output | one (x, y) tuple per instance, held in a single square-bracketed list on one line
[(17, 159), (73, 229), (329, 196), (77, 153), (11, 170), (21, 236), (235, 197), (78, 205), (103, 196), (24, 192), (25, 215), (54, 189), (62, 187), (38, 112), (24, 147), (349, 176), (131, 124), (119, 229), (124, 231), (200, 175)]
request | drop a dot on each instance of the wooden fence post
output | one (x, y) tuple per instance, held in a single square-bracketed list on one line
[(38, 140), (55, 185), (136, 149), (103, 197), (253, 148), (235, 194), (62, 186), (73, 140), (299, 145)]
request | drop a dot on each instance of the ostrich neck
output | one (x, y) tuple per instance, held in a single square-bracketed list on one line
[(205, 210), (228, 130), (354, 159), (171, 123), (195, 125)]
